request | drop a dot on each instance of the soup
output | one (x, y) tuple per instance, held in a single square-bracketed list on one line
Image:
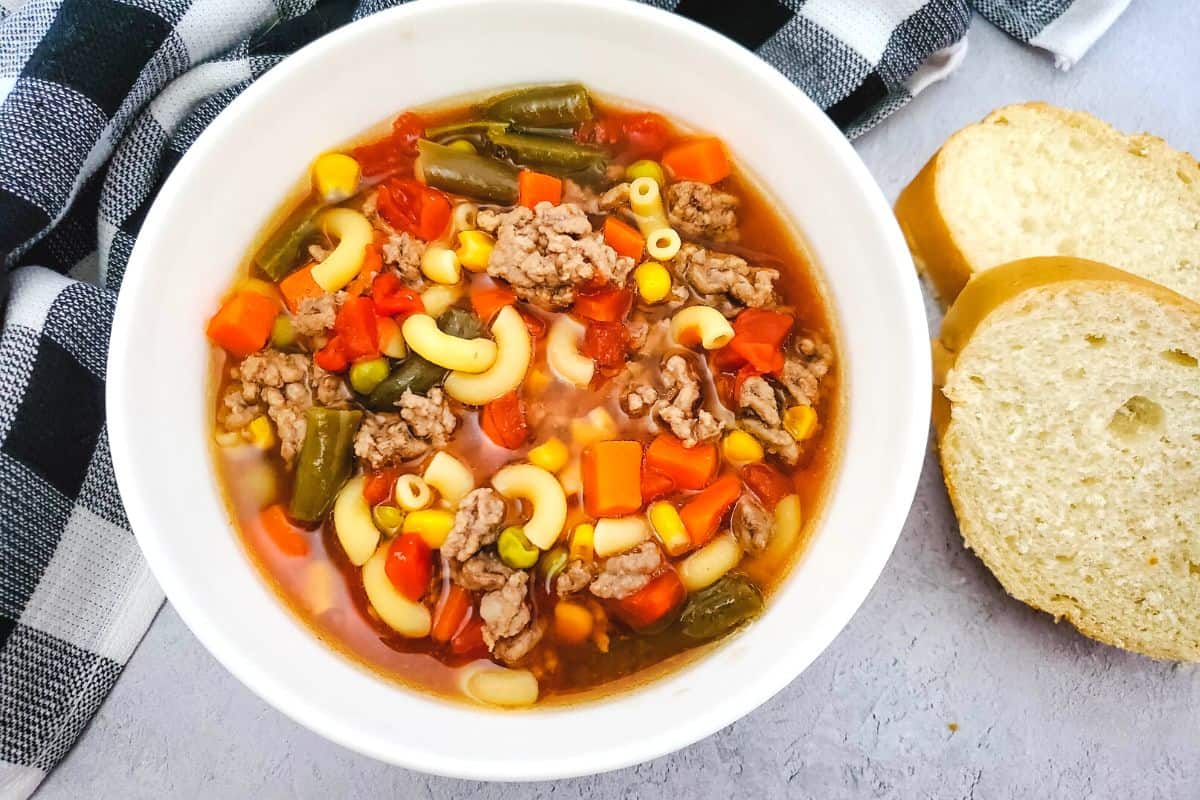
[(527, 399)]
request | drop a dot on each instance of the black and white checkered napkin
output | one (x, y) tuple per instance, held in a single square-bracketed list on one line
[(98, 101)]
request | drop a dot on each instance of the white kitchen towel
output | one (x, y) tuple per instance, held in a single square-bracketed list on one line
[(99, 99)]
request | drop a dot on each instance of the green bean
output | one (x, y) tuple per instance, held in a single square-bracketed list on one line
[(718, 609), (414, 374), (281, 251), (461, 323), (566, 105), (475, 132), (468, 174), (324, 463), (546, 152)]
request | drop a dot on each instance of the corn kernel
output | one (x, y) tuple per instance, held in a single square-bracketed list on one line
[(580, 548), (669, 527), (538, 380), (653, 281), (550, 455), (336, 176), (572, 622), (800, 422), (741, 448), (475, 248), (462, 145), (262, 435), (431, 524), (441, 265)]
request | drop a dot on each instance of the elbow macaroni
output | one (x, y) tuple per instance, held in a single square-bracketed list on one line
[(700, 323), (352, 521), (544, 493), (398, 612), (452, 478), (615, 535), (438, 298), (412, 493), (663, 244), (514, 348), (440, 265), (353, 234), (645, 199), (431, 343), (500, 686), (563, 356), (785, 535)]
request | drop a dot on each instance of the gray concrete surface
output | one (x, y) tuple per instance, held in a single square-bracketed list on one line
[(940, 687)]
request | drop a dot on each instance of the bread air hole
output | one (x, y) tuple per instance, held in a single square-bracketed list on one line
[(1137, 416), (1180, 357)]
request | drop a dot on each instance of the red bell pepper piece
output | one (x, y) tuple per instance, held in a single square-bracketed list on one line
[(355, 328), (392, 298)]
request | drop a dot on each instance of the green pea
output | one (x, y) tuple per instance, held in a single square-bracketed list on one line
[(515, 550), (283, 332), (387, 518), (646, 169), (553, 561), (366, 375)]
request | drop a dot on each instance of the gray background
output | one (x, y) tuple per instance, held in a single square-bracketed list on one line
[(1040, 710)]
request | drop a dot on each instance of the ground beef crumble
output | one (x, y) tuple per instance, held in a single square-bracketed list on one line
[(716, 276), (751, 524), (482, 572), (699, 211), (760, 415), (575, 577), (547, 252), (678, 405), (404, 252), (509, 629), (315, 315), (423, 422), (476, 524), (623, 575)]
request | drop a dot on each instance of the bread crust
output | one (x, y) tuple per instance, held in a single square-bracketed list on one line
[(983, 295)]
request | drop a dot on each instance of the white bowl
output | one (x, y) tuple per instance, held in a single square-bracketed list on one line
[(243, 166)]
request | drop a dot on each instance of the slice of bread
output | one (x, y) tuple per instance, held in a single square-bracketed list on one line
[(1035, 180), (1068, 415)]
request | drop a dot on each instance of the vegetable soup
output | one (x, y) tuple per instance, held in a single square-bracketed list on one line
[(527, 399)]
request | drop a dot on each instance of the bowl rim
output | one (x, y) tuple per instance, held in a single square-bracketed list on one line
[(892, 508)]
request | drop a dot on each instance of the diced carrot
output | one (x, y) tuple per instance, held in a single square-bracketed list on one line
[(488, 300), (702, 160), (605, 304), (687, 467), (652, 602), (298, 287), (655, 484), (535, 187), (612, 478), (282, 532), (768, 483), (378, 485), (451, 610), (623, 238), (243, 323), (702, 514), (372, 264)]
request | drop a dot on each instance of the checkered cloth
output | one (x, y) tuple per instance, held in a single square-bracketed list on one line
[(98, 101)]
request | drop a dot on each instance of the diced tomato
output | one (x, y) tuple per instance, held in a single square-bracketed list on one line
[(469, 639), (332, 357), (409, 565), (355, 328), (379, 483), (645, 135), (392, 298), (604, 131), (655, 485), (768, 483), (503, 420), (453, 606), (606, 342), (411, 206), (604, 304), (488, 300), (652, 602), (393, 153), (533, 323), (758, 337)]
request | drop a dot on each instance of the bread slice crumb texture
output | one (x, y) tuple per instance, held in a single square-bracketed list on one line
[(1035, 180), (1072, 455)]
